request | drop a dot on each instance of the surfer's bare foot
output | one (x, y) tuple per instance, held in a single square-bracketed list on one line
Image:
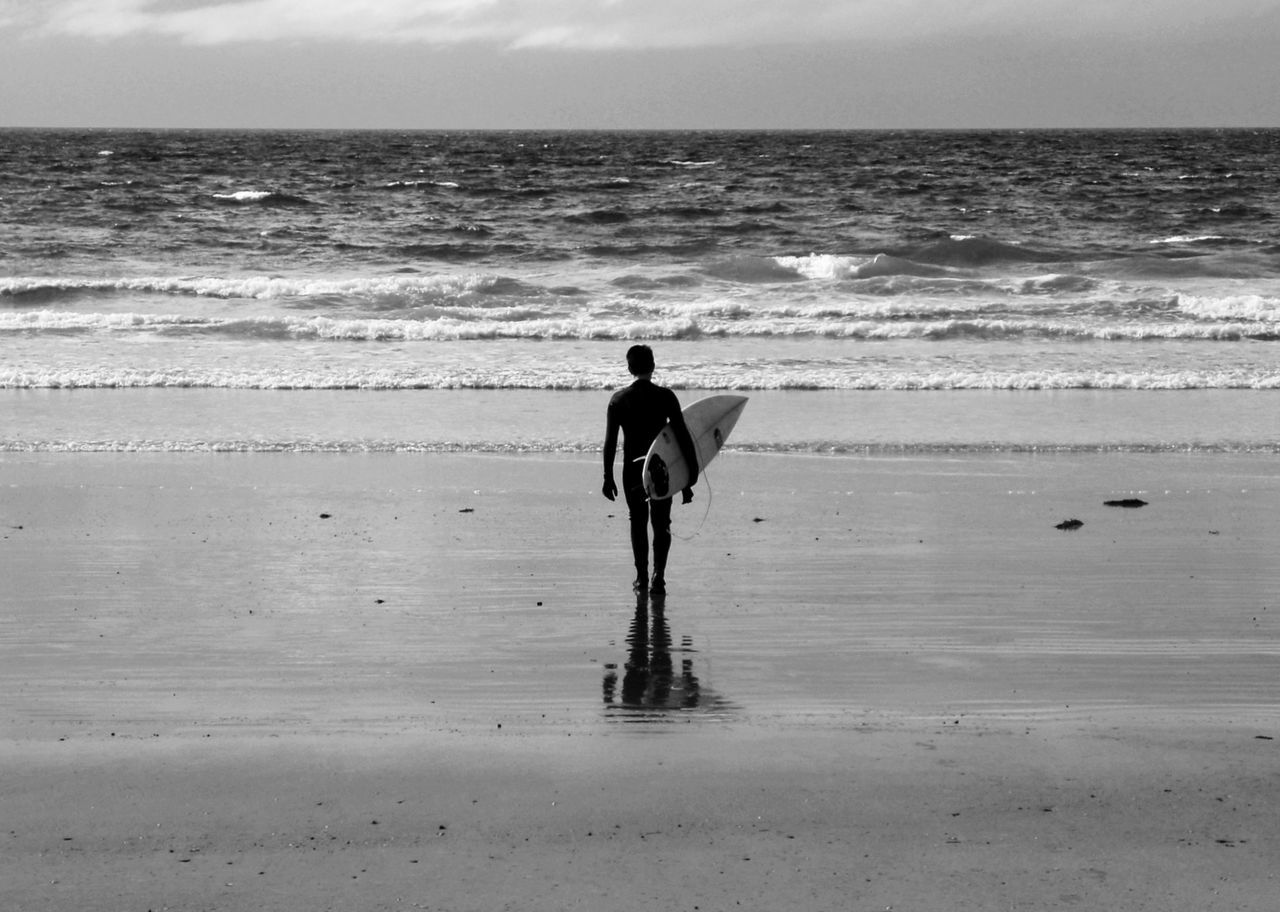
[(641, 584), (658, 586)]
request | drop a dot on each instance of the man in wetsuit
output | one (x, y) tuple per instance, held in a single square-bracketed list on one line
[(642, 410)]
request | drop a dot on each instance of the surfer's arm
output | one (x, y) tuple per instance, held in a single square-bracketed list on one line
[(610, 488), (687, 449)]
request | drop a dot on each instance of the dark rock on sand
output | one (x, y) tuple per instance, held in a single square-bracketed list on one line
[(1127, 502), (1069, 524)]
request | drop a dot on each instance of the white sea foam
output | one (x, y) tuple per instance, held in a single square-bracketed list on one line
[(1189, 239), (577, 376), (244, 196), (62, 321), (414, 184), (1054, 283), (808, 447), (1258, 308), (822, 266), (837, 267), (860, 322), (258, 286)]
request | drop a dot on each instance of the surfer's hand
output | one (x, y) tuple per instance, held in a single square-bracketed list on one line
[(686, 496), (610, 489)]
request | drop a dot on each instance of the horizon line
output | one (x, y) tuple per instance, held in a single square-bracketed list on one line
[(648, 129)]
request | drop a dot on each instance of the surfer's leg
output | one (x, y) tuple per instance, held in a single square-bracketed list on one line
[(661, 513), (638, 507)]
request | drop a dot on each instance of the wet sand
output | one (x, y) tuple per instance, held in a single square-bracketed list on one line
[(272, 681)]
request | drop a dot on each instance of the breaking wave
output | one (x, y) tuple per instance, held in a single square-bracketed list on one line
[(813, 447), (577, 377), (524, 322)]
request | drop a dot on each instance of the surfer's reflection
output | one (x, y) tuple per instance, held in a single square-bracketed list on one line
[(650, 680)]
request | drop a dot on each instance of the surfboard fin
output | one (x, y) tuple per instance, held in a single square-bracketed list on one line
[(660, 477)]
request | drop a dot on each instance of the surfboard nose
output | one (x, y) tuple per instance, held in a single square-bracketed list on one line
[(710, 421)]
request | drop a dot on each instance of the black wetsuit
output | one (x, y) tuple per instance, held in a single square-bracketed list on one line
[(641, 411)]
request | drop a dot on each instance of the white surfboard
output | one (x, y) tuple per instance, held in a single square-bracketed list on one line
[(709, 422)]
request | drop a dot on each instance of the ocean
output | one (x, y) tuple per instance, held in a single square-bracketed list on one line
[(386, 291)]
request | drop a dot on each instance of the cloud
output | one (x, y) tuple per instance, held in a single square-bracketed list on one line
[(514, 23), (613, 24)]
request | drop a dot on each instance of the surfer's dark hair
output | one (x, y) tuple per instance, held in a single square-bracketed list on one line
[(640, 360)]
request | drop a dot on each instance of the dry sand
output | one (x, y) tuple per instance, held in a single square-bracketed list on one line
[(308, 682)]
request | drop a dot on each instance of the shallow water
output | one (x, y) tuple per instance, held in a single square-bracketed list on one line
[(505, 421), (395, 592)]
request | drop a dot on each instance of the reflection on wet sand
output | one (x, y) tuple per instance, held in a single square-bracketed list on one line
[(652, 689)]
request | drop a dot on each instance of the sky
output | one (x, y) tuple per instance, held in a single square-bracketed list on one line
[(642, 64)]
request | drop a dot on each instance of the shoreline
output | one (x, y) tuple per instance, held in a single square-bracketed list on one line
[(845, 422)]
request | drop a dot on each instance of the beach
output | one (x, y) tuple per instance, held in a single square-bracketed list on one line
[(398, 680)]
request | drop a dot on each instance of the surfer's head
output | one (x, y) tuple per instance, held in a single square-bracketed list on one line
[(640, 360)]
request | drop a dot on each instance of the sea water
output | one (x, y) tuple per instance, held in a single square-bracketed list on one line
[(426, 290)]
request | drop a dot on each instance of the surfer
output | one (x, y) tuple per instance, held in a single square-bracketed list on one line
[(641, 411)]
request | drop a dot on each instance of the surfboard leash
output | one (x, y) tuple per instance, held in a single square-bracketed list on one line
[(705, 513)]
